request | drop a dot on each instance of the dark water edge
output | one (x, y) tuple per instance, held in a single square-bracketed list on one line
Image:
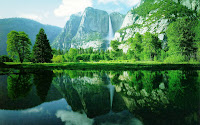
[(104, 66), (96, 97)]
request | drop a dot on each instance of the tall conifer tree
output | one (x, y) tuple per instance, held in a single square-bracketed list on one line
[(42, 51)]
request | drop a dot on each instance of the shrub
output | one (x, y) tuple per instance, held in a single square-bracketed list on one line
[(174, 59), (5, 58), (58, 59)]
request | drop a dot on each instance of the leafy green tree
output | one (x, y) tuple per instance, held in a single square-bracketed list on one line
[(58, 59), (151, 46), (70, 56), (18, 45), (181, 38), (115, 52), (135, 47), (5, 58), (94, 57), (42, 51), (102, 53), (197, 40), (86, 57)]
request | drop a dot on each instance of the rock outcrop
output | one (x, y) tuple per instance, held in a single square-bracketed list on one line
[(88, 29), (117, 20), (69, 31), (191, 4), (93, 21), (134, 22)]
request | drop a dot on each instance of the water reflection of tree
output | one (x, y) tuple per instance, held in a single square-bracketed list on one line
[(42, 80), (162, 93), (183, 89), (19, 85)]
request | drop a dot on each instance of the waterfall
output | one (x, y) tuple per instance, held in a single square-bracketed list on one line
[(110, 33), (111, 89)]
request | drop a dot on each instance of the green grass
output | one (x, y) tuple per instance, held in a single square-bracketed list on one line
[(147, 65)]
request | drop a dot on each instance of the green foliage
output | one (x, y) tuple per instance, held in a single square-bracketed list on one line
[(42, 51), (181, 38), (5, 58), (174, 59), (70, 56), (163, 8), (18, 45), (30, 27), (95, 57), (197, 40), (58, 59), (115, 52), (135, 47), (151, 46)]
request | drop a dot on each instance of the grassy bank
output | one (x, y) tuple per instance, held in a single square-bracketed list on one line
[(106, 66)]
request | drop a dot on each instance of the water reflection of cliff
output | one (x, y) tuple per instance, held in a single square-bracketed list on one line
[(159, 97), (154, 97)]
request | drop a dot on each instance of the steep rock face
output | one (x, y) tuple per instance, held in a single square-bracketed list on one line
[(134, 22), (93, 20), (117, 20), (69, 31), (93, 28), (191, 4), (88, 29)]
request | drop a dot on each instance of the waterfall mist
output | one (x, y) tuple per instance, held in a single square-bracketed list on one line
[(111, 89), (110, 33)]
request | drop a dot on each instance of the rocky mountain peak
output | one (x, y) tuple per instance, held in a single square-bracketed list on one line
[(89, 29)]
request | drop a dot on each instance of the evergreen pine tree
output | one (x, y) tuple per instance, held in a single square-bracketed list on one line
[(42, 51)]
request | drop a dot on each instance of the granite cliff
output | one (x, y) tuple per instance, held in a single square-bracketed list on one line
[(89, 29), (154, 16)]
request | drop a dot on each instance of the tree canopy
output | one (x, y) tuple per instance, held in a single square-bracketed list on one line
[(18, 45), (42, 51), (181, 38)]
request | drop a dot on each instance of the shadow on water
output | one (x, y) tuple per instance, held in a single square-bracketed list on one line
[(169, 97)]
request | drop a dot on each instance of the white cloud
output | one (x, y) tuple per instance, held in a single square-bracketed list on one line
[(33, 110), (74, 118), (118, 2), (31, 16), (46, 14), (69, 7), (115, 10), (37, 17)]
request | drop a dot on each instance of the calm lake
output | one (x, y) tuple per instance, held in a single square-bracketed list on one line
[(75, 97)]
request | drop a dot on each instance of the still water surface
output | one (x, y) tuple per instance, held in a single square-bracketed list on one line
[(75, 97)]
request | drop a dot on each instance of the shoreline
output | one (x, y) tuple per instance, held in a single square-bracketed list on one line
[(105, 66)]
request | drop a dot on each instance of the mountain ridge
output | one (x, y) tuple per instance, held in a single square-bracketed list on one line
[(29, 26)]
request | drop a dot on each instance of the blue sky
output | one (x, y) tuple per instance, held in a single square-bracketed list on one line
[(57, 12)]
